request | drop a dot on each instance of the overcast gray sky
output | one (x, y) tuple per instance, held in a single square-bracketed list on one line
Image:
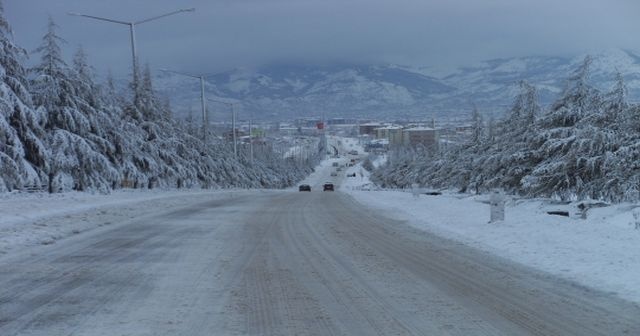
[(224, 34)]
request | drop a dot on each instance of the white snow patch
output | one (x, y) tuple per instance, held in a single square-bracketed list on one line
[(42, 219), (600, 252)]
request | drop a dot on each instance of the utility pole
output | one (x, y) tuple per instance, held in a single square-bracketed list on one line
[(233, 130), (132, 30)]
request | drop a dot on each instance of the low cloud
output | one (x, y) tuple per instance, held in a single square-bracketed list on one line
[(227, 34)]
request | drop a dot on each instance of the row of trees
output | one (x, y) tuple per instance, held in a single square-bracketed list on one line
[(62, 130), (586, 145)]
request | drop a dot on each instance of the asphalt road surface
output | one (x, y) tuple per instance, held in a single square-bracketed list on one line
[(287, 263)]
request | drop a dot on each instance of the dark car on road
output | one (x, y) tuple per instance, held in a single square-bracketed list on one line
[(327, 187), (304, 187)]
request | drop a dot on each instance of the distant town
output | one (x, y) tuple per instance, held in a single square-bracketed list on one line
[(374, 136)]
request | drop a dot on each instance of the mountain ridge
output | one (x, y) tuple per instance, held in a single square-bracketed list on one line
[(394, 91)]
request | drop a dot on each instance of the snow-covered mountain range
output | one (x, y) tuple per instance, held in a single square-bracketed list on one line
[(394, 91)]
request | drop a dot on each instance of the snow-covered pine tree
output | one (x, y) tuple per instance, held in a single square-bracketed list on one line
[(76, 162), (132, 109), (122, 134), (477, 125), (615, 105), (598, 138), (491, 129), (23, 156), (472, 175), (100, 108), (147, 102), (555, 142), (82, 77), (509, 158), (89, 141), (586, 146), (190, 124), (622, 167), (51, 85)]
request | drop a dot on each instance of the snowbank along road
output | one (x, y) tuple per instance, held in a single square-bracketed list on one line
[(287, 263)]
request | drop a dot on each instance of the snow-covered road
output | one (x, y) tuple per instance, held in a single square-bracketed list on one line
[(286, 263)]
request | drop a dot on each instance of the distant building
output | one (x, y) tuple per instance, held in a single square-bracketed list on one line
[(393, 134), (425, 136), (377, 146), (369, 128), (307, 122), (341, 121), (463, 128)]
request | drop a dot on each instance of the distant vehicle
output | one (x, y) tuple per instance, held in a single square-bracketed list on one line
[(339, 169), (304, 187), (334, 174), (327, 187), (335, 164), (353, 152), (351, 175)]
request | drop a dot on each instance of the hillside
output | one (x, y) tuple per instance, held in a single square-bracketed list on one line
[(395, 91)]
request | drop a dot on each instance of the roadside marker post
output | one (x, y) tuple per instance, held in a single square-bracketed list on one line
[(415, 190), (496, 202)]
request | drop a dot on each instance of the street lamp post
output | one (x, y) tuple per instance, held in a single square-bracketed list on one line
[(251, 137), (205, 122), (132, 28)]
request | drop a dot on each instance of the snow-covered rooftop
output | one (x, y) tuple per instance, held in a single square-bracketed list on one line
[(421, 128), (380, 141), (390, 127)]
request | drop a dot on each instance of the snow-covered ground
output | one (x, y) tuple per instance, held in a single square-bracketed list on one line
[(43, 219), (599, 252)]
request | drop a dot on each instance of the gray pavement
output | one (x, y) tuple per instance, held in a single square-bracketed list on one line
[(288, 263)]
